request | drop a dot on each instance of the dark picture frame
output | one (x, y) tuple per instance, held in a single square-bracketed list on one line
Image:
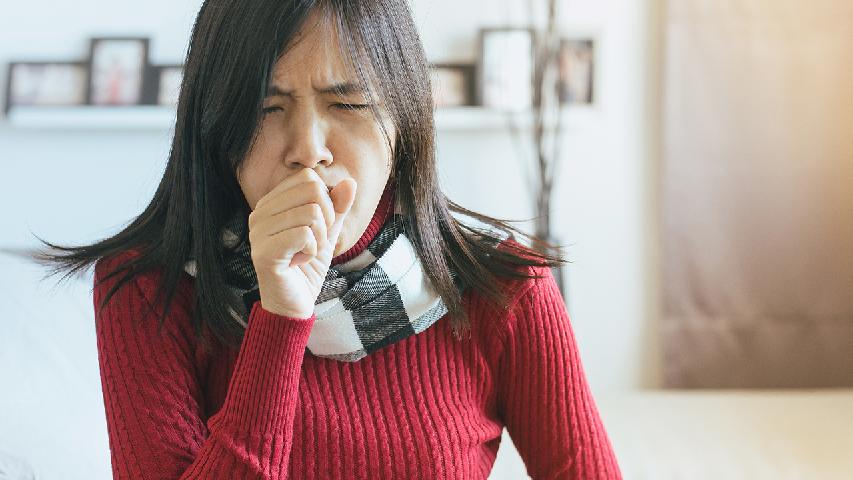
[(162, 84), (117, 70), (68, 79), (453, 84), (505, 67), (576, 63)]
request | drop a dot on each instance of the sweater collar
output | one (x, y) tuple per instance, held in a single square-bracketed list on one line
[(380, 215)]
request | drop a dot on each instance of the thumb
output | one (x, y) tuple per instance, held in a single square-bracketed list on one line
[(343, 197)]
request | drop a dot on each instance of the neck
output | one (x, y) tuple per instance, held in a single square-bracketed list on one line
[(383, 211)]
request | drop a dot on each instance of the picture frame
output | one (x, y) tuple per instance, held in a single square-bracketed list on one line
[(576, 61), (117, 69), (163, 84), (45, 83), (453, 84), (505, 67)]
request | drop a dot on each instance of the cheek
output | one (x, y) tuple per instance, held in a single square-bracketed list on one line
[(259, 167), (253, 182)]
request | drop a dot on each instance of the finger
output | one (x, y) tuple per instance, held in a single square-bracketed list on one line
[(295, 237), (304, 175), (309, 215), (284, 246), (301, 194), (343, 196), (318, 226)]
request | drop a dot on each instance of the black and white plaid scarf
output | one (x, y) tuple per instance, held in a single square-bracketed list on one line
[(377, 298)]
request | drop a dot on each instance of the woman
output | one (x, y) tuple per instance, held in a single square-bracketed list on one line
[(309, 286)]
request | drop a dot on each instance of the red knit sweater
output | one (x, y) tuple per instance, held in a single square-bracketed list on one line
[(426, 407)]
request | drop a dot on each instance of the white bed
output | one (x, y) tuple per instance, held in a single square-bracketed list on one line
[(52, 424)]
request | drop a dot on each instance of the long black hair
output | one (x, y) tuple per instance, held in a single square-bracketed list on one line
[(232, 52)]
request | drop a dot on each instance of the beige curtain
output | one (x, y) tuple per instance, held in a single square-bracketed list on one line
[(758, 194)]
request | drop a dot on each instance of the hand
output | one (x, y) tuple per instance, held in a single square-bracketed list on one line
[(293, 231)]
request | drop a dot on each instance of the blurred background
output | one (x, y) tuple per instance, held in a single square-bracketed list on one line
[(696, 165)]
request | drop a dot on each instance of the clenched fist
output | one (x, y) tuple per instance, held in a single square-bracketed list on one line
[(293, 231)]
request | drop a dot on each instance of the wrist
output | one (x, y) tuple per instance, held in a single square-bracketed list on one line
[(285, 312)]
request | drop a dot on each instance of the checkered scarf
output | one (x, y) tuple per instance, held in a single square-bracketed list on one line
[(377, 298)]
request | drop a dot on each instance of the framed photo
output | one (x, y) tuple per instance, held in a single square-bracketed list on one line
[(505, 70), (117, 70), (453, 84), (576, 61), (163, 84), (45, 84)]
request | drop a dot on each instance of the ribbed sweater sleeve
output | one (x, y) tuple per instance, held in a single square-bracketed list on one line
[(543, 394), (153, 397)]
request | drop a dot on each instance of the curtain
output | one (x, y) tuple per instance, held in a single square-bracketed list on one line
[(757, 194)]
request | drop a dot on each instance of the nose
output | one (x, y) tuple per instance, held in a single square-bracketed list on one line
[(307, 141)]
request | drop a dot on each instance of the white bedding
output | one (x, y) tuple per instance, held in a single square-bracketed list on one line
[(52, 422)]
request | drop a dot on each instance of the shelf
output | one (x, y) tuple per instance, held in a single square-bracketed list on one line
[(160, 118), (487, 119), (142, 117)]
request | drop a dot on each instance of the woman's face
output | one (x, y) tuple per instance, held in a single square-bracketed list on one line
[(305, 126)]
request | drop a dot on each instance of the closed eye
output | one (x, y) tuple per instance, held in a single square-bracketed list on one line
[(344, 106), (352, 106)]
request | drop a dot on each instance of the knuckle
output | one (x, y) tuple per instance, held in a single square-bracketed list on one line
[(317, 228), (308, 173), (257, 256)]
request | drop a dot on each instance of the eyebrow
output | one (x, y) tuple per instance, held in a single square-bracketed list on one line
[(345, 88)]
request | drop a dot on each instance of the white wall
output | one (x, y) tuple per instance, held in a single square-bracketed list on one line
[(81, 185), (604, 205)]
